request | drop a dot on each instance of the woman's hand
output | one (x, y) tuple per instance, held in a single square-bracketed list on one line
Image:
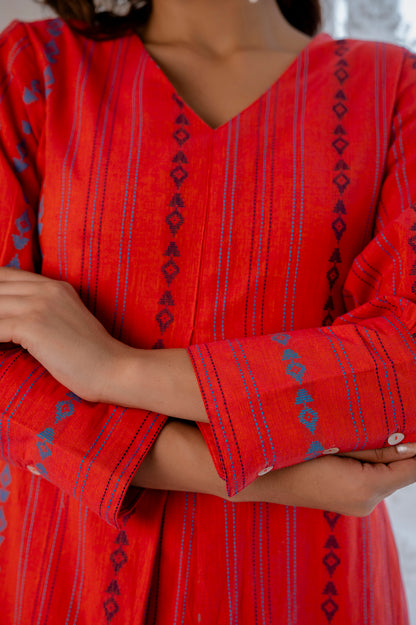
[(180, 460), (48, 319), (343, 485), (350, 484)]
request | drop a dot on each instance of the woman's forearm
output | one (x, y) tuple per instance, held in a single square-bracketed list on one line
[(48, 319), (180, 460), (162, 381)]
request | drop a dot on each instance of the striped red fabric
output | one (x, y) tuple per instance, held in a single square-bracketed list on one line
[(280, 249)]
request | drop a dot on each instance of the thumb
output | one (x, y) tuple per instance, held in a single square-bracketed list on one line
[(385, 454), (396, 475)]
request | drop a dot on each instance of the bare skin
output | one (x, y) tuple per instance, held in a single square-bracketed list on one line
[(47, 318), (220, 55), (181, 461)]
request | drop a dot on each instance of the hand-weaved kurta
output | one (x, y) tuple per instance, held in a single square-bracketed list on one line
[(244, 243)]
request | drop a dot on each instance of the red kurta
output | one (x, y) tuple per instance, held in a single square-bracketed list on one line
[(236, 241)]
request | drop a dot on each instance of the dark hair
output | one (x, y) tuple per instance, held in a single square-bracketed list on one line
[(305, 15)]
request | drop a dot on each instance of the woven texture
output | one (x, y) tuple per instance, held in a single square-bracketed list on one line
[(280, 249)]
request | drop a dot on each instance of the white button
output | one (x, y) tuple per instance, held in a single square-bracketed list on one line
[(265, 471), (331, 450), (395, 439), (33, 469)]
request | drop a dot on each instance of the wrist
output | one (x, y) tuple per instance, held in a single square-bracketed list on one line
[(161, 381), (124, 376)]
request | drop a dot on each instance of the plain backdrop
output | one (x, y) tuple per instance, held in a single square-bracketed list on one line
[(402, 505), (21, 9)]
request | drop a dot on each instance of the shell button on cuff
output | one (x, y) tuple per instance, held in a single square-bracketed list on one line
[(33, 469), (265, 471), (331, 450), (395, 439)]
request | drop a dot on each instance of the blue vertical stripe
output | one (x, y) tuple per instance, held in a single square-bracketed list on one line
[(82, 567), (393, 368), (269, 555), (11, 414), (402, 159), (99, 450), (377, 178), (403, 204), (219, 418), (94, 141), (295, 601), (371, 352), (261, 564), (137, 149), (404, 334), (254, 551), (301, 190), (25, 547), (235, 558), (265, 422), (271, 210), (364, 572), (294, 196), (230, 598), (253, 215), (370, 569), (72, 146), (253, 412), (328, 334), (103, 202), (231, 222), (42, 562), (132, 461), (222, 236), (262, 203), (181, 558), (98, 190), (59, 552), (133, 149), (18, 47), (188, 562), (79, 572), (289, 596), (354, 379), (45, 578)]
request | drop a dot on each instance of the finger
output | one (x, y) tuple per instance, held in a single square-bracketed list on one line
[(8, 332), (377, 482), (385, 454), (12, 274), (12, 306), (20, 287), (396, 475)]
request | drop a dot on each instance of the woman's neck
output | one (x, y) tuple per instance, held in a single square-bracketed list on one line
[(221, 27)]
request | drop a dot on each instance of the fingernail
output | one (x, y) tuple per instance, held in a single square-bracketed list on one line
[(406, 448)]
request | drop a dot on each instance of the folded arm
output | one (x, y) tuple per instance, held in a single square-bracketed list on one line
[(266, 398), (48, 319), (180, 460)]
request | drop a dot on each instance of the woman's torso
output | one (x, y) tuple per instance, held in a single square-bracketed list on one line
[(176, 233)]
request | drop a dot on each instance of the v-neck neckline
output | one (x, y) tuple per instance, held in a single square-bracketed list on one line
[(322, 36)]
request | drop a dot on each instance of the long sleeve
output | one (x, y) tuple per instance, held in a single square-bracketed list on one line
[(90, 451), (284, 398)]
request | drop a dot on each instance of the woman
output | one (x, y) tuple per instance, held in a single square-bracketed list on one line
[(206, 214)]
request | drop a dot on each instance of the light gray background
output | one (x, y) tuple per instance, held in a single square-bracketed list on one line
[(402, 504), (21, 9)]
